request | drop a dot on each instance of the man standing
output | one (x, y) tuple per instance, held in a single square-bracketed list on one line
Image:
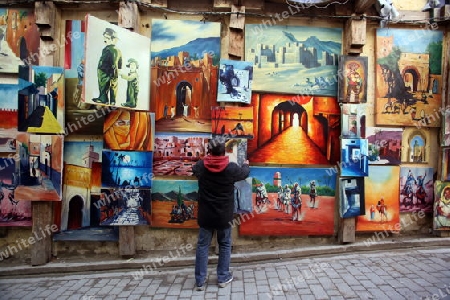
[(216, 178), (108, 69)]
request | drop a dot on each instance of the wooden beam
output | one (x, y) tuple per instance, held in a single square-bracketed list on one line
[(237, 21), (45, 13), (254, 5), (129, 15), (362, 6), (127, 245), (355, 35), (236, 43), (222, 4)]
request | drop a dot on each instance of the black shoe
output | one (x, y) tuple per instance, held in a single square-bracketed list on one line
[(97, 100)]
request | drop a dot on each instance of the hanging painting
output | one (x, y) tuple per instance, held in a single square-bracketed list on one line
[(290, 202), (415, 145), (129, 130), (313, 122), (355, 157), (12, 211), (304, 59), (408, 77), (185, 58), (353, 84), (441, 208), (381, 193), (445, 170), (235, 81), (174, 203), (127, 169), (446, 128), (385, 145), (416, 189), (8, 108), (353, 120), (117, 66), (243, 203), (232, 121), (19, 39), (41, 104), (352, 197)]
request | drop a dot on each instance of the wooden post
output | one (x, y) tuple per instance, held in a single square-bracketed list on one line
[(45, 13), (129, 16), (127, 244), (41, 250), (236, 32)]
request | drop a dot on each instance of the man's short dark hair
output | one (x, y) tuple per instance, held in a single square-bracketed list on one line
[(216, 147)]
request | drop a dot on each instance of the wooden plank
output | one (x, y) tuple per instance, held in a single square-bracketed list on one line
[(127, 245), (45, 13), (237, 21), (129, 15), (236, 43), (41, 232), (362, 6), (348, 230), (222, 4), (413, 15), (254, 5)]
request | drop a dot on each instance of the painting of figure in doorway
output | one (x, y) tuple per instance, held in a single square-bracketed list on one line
[(354, 120), (232, 121), (353, 84), (185, 58)]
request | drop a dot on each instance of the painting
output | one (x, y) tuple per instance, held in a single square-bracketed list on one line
[(352, 86), (232, 121), (174, 203), (352, 197), (355, 157), (176, 153), (441, 207), (445, 170), (125, 129), (127, 169), (290, 202), (12, 211), (416, 189), (185, 57), (385, 145), (39, 167), (41, 102), (235, 81), (124, 207), (117, 71), (243, 200), (408, 77), (446, 128), (8, 107), (415, 145), (381, 193), (313, 122), (19, 39), (353, 120), (304, 59)]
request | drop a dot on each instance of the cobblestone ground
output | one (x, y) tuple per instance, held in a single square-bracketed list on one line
[(399, 274)]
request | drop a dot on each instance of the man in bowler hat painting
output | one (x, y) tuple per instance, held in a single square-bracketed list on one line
[(108, 69), (133, 83)]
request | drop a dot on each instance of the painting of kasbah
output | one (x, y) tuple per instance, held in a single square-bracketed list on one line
[(8, 107), (12, 211), (127, 169), (39, 167), (441, 208), (19, 39), (290, 202), (185, 58), (41, 104), (416, 145), (295, 129), (385, 145), (408, 77), (124, 207), (353, 84), (174, 203), (235, 81), (352, 197), (355, 153), (81, 155), (232, 121), (304, 59), (117, 66), (381, 193), (353, 120), (416, 189), (125, 129), (176, 153), (81, 118)]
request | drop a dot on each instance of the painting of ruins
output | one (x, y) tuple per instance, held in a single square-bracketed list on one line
[(353, 120), (415, 145), (355, 157), (313, 122), (185, 58), (352, 197), (290, 202), (39, 167), (381, 193), (304, 59), (235, 81), (125, 129), (124, 82), (174, 203), (408, 77), (12, 211), (232, 121), (176, 153), (352, 86), (441, 207), (416, 189), (19, 39), (41, 103), (385, 145)]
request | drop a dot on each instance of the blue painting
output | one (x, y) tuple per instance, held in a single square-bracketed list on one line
[(354, 157), (235, 81), (352, 197)]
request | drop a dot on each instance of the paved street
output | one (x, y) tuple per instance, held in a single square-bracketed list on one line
[(396, 274)]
